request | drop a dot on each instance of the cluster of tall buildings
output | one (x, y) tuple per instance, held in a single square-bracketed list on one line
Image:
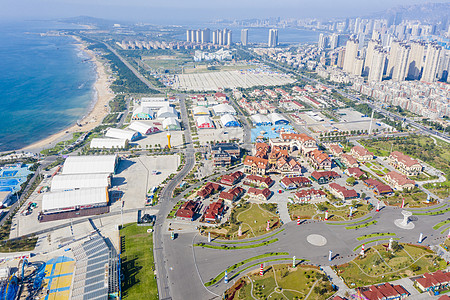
[(203, 36), (273, 38), (330, 41), (400, 60)]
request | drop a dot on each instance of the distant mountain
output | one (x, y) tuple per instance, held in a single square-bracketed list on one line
[(86, 20), (428, 12)]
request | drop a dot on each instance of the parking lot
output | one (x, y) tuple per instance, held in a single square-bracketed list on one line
[(219, 134)]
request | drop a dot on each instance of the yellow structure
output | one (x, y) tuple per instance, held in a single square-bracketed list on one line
[(168, 140)]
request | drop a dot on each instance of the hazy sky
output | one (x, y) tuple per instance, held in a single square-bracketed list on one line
[(179, 11)]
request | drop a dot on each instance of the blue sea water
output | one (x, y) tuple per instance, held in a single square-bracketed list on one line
[(46, 83)]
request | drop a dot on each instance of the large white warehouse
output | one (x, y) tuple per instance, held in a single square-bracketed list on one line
[(90, 164), (259, 120), (100, 143), (117, 133), (166, 112), (278, 119), (55, 202), (229, 121), (143, 128), (171, 124), (204, 122), (142, 113), (222, 109), (80, 181)]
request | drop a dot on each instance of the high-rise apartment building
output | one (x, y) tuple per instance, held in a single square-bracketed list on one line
[(334, 40), (415, 60), (369, 55), (323, 41), (244, 37), (377, 65), (430, 67), (400, 68), (351, 52), (273, 38)]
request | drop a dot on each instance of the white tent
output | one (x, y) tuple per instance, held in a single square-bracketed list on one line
[(143, 128), (204, 122), (201, 110), (117, 133), (166, 112), (90, 164), (80, 181), (100, 143), (222, 109), (229, 121), (277, 119), (54, 202), (261, 120), (171, 124)]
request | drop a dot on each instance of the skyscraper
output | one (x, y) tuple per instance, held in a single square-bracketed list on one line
[(351, 51), (229, 38), (244, 37), (377, 66), (431, 63), (415, 60), (273, 38), (399, 71), (322, 41), (392, 58), (334, 40), (369, 55), (205, 35)]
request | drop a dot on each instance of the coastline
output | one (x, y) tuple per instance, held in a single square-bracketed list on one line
[(97, 110)]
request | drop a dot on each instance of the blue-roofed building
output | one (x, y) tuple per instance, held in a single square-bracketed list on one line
[(229, 121)]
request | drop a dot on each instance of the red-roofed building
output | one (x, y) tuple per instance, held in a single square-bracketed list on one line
[(232, 195), (336, 150), (405, 164), (385, 291), (431, 282), (214, 211), (264, 182), (208, 189), (232, 179), (349, 161), (295, 182), (324, 176), (257, 194), (378, 187), (361, 153), (342, 192), (399, 181), (220, 97), (187, 211), (355, 172), (312, 196), (255, 165), (319, 160)]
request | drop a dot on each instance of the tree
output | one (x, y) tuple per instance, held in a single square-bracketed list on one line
[(363, 196), (351, 181)]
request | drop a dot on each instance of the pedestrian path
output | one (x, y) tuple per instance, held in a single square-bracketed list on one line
[(284, 212), (337, 281)]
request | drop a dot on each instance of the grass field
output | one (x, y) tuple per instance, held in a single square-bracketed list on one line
[(432, 151), (440, 189), (311, 211), (413, 199), (283, 282), (253, 221), (137, 263), (380, 265)]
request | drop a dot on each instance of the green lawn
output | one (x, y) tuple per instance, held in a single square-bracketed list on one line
[(342, 214), (253, 221), (137, 263), (302, 210), (284, 282), (433, 151), (413, 199), (379, 265), (440, 189)]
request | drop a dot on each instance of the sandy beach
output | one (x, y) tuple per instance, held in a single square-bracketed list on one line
[(95, 115)]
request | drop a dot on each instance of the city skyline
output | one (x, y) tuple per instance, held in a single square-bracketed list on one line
[(177, 11)]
